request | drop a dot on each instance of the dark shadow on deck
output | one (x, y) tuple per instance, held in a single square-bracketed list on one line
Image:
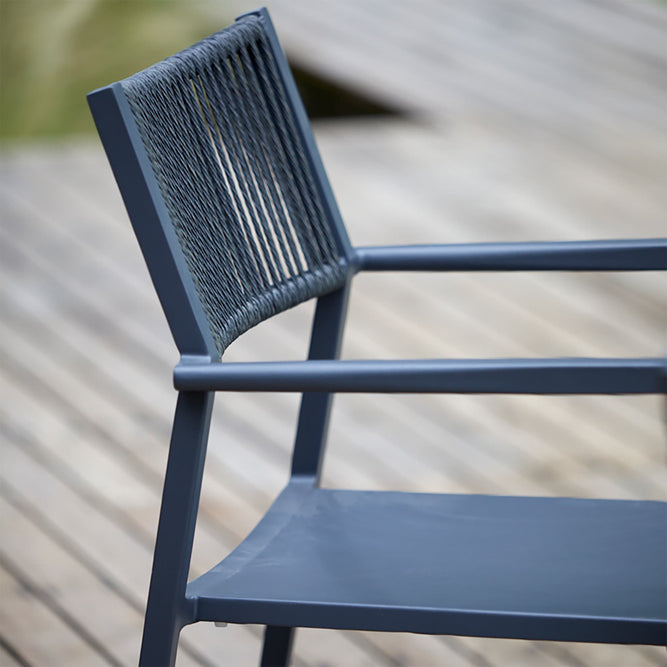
[(324, 98)]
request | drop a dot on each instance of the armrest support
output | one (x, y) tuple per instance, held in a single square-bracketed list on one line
[(622, 255), (460, 376)]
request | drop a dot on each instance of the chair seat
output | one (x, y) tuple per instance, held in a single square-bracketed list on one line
[(532, 568)]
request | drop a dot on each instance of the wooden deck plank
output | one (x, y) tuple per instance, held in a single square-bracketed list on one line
[(488, 54), (69, 587), (37, 631), (100, 555), (8, 657)]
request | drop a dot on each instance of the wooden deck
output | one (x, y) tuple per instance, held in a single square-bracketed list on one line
[(507, 139)]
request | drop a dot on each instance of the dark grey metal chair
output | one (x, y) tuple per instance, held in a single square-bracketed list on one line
[(217, 165)]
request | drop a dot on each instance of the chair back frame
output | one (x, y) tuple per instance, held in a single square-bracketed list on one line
[(149, 215), (168, 610)]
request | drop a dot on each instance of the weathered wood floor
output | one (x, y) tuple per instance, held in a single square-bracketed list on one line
[(85, 367)]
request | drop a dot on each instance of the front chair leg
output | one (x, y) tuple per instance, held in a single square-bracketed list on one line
[(277, 646), (166, 610)]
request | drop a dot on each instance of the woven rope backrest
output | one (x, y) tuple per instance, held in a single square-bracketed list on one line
[(232, 169)]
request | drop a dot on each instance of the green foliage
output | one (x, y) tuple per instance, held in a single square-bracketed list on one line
[(53, 52)]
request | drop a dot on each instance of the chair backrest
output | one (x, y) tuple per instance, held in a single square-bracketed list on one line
[(239, 178)]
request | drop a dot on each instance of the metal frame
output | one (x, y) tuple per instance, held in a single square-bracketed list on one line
[(167, 610), (150, 220), (197, 376), (452, 376), (622, 255)]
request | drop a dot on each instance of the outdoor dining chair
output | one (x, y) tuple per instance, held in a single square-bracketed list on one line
[(218, 168)]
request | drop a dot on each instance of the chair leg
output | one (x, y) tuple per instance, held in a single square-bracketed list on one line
[(166, 611), (277, 646), (157, 649)]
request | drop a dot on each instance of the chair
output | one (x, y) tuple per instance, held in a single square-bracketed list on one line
[(219, 172)]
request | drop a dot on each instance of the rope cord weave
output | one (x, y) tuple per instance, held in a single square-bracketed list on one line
[(227, 155)]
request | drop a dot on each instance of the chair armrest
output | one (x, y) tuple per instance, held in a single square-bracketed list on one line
[(460, 376), (621, 255)]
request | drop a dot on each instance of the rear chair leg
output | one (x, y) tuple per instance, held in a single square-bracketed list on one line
[(277, 646)]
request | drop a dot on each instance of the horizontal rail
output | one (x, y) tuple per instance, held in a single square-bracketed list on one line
[(621, 255), (461, 376)]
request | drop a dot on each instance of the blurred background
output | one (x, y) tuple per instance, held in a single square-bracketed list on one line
[(438, 121)]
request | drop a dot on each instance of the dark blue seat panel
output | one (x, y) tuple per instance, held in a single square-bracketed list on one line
[(532, 568)]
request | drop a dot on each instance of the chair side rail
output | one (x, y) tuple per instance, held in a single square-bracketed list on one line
[(460, 376), (606, 255)]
